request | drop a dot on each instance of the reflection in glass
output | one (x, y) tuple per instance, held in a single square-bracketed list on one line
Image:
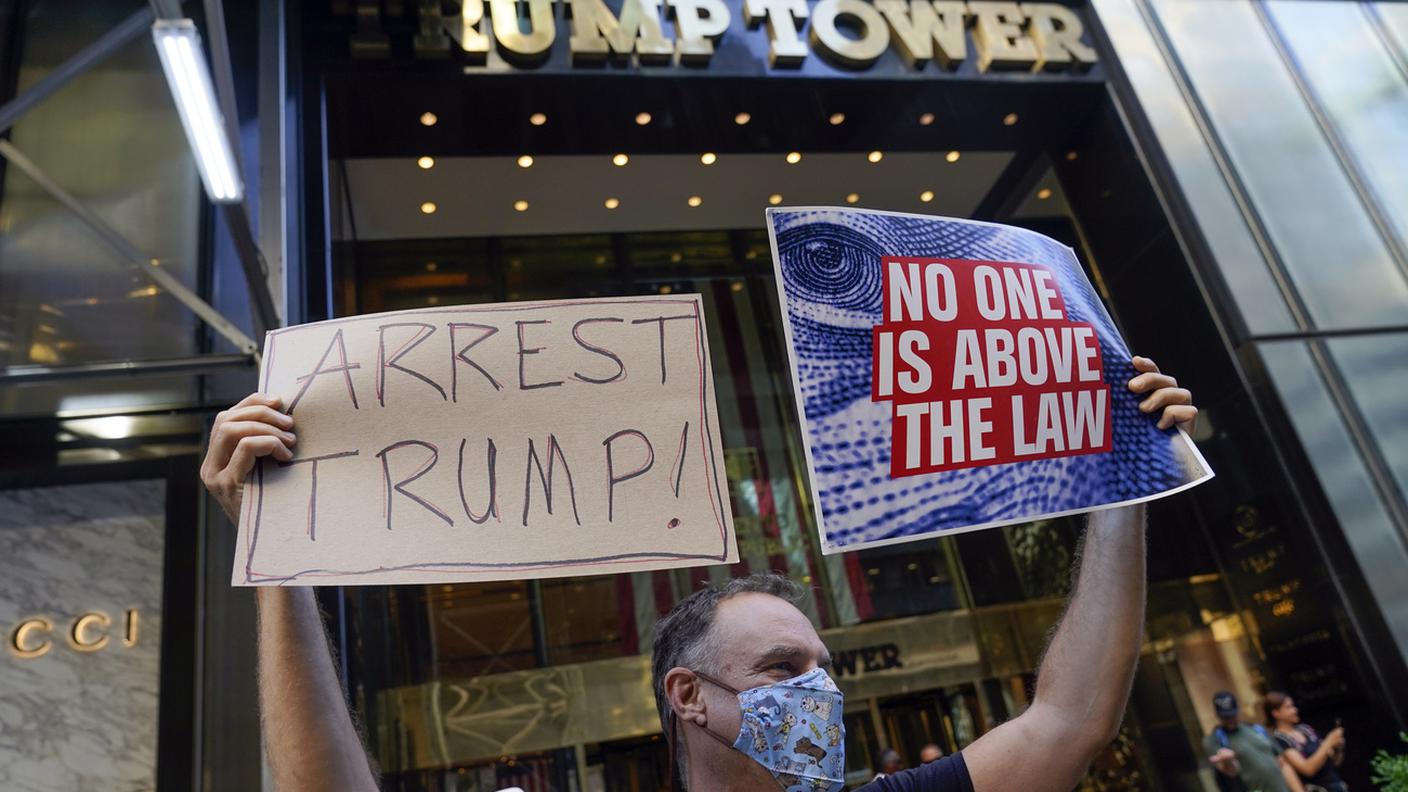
[(1334, 254), (1360, 87), (1376, 367)]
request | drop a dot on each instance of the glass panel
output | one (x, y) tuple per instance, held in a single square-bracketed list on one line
[(1394, 17), (1361, 88), (1376, 367), (1335, 256), (65, 296), (1217, 213), (1372, 536)]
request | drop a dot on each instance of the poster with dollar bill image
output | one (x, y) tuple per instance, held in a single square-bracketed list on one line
[(490, 442), (955, 375)]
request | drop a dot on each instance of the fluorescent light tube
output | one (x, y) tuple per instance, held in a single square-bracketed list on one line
[(178, 45)]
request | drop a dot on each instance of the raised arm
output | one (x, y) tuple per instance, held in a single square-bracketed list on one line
[(308, 731), (1084, 679), (1310, 765)]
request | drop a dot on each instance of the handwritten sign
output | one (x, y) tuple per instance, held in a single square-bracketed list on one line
[(491, 442), (956, 375)]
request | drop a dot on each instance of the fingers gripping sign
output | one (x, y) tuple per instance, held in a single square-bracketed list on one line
[(251, 429), (1163, 394)]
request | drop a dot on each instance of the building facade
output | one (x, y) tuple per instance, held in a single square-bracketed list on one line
[(1228, 171)]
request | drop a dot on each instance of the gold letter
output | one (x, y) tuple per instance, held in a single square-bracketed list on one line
[(857, 53), (131, 638), (530, 46), (918, 26), (784, 17), (465, 30), (596, 31), (77, 637), (1056, 31), (999, 38), (19, 645), (697, 24)]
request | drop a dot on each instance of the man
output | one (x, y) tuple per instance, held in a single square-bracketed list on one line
[(738, 669), (930, 753), (1246, 758)]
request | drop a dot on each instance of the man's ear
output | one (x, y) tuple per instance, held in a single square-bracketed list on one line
[(685, 696)]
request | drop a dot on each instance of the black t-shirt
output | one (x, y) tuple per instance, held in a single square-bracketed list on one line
[(1328, 775), (949, 774)]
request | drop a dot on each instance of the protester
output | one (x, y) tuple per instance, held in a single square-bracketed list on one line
[(737, 669), (1314, 759), (930, 753), (1246, 757)]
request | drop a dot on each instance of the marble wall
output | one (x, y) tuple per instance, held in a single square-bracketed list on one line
[(80, 717)]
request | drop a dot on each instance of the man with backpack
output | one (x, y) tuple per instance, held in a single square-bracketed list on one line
[(1245, 756)]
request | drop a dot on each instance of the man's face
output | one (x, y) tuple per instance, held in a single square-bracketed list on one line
[(1229, 722), (759, 640)]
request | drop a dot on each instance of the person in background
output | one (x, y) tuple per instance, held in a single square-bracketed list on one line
[(890, 763), (1314, 759), (930, 753), (1246, 757)]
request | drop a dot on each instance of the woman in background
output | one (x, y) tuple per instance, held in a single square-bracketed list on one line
[(1313, 758)]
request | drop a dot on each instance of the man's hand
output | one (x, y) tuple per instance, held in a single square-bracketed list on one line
[(1225, 760), (1176, 402), (249, 430)]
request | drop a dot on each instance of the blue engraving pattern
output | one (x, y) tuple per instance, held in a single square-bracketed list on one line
[(829, 268)]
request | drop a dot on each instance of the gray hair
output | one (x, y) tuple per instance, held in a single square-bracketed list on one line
[(681, 636)]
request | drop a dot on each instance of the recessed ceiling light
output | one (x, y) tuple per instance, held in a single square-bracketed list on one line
[(525, 161), (428, 207), (750, 255), (642, 119), (775, 199), (837, 119), (695, 200), (853, 197), (520, 205), (1071, 156), (736, 286), (926, 119), (794, 157), (538, 119), (620, 160), (1043, 193), (742, 118), (599, 260), (708, 158), (926, 196), (431, 266), (612, 203), (952, 156), (676, 257), (426, 163), (1009, 120), (433, 300), (428, 119), (875, 156), (665, 288)]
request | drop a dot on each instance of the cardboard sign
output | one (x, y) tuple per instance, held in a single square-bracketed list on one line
[(956, 375), (490, 442)]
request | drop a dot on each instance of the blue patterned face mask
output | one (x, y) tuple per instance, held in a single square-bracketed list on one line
[(795, 729)]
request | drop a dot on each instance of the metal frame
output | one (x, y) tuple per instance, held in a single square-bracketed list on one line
[(198, 364)]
